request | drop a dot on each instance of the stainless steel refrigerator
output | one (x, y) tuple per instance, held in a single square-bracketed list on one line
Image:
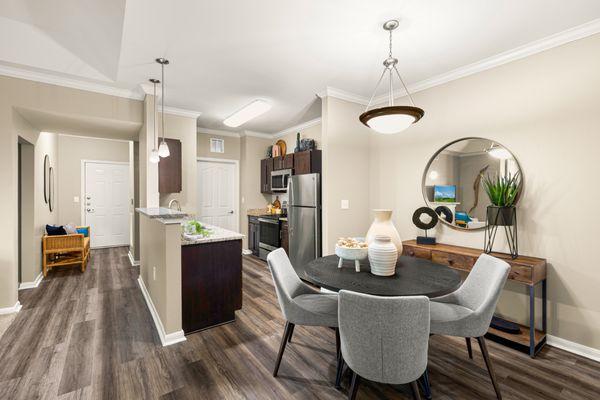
[(304, 220)]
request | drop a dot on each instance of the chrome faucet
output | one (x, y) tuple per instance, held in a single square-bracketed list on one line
[(175, 201)]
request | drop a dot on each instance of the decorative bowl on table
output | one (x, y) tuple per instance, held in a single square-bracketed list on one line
[(352, 249)]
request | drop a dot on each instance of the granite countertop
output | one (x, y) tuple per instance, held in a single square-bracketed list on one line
[(257, 212), (163, 214), (216, 235)]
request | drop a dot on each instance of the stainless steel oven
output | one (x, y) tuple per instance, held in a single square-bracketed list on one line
[(279, 180), (269, 237)]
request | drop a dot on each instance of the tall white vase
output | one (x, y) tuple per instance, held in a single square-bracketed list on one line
[(383, 225)]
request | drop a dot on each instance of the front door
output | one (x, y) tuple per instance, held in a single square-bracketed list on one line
[(106, 203), (216, 194)]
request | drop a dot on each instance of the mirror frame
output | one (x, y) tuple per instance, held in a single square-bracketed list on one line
[(433, 157)]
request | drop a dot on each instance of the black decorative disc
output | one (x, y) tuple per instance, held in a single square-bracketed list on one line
[(448, 217), (416, 219)]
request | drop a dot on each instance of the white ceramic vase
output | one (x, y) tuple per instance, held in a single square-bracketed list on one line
[(383, 225), (383, 256)]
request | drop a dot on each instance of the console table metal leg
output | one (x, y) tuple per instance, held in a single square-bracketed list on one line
[(532, 320), (544, 307)]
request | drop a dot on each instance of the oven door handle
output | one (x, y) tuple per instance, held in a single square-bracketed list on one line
[(269, 221)]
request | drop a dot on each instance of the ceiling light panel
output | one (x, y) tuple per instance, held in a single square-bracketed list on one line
[(251, 111)]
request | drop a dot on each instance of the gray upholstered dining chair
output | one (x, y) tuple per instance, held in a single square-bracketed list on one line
[(300, 304), (383, 339), (468, 311)]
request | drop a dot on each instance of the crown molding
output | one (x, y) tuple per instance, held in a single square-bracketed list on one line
[(148, 89), (51, 79), (299, 127), (529, 49), (182, 112), (218, 132), (261, 135), (342, 95)]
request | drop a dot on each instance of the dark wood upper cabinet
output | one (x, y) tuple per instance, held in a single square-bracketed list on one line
[(277, 163), (266, 167), (307, 162), (288, 161), (169, 169)]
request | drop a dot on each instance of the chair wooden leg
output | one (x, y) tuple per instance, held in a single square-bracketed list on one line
[(355, 382), (469, 349), (415, 390), (488, 364), (339, 371), (44, 265), (291, 333), (286, 334)]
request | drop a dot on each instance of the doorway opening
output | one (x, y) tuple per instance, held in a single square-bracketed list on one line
[(105, 194), (218, 193), (25, 215)]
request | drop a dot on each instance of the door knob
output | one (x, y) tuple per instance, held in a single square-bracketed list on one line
[(231, 212), (89, 210)]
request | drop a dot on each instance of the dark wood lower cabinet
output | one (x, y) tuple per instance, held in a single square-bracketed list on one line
[(253, 235), (211, 284), (285, 237)]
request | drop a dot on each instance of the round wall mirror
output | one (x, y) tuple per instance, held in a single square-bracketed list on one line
[(46, 172), (453, 180)]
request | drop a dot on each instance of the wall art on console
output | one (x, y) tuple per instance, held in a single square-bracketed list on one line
[(418, 221)]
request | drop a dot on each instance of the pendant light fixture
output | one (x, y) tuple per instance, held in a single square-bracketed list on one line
[(163, 149), (154, 157), (391, 119)]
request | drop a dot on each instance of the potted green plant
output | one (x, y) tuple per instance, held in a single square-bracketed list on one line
[(503, 192)]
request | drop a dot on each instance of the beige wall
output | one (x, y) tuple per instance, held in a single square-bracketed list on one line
[(253, 149), (69, 107), (71, 151), (232, 146), (345, 144), (543, 108), (184, 129), (160, 269)]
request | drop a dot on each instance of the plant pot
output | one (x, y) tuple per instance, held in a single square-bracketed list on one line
[(383, 256), (500, 216), (383, 225)]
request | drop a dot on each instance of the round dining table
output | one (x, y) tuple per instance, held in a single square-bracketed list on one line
[(413, 277)]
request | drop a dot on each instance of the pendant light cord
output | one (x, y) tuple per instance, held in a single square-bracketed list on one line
[(391, 88), (162, 101), (154, 142)]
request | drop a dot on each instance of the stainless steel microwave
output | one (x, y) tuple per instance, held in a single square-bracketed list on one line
[(279, 180)]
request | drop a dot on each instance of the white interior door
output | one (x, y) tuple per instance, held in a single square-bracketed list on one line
[(217, 194), (106, 203)]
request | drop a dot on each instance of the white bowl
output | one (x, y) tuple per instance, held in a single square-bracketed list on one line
[(351, 254)]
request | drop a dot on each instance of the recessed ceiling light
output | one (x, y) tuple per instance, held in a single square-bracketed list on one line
[(252, 110)]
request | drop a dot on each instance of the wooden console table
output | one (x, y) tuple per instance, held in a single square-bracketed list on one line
[(524, 270)]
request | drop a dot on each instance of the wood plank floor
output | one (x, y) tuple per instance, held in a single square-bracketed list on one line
[(90, 335)]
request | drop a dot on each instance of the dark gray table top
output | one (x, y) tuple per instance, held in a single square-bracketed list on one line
[(414, 276)]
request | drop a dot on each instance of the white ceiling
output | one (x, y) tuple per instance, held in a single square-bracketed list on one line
[(225, 54)]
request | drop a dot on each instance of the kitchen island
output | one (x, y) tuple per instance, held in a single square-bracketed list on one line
[(189, 283)]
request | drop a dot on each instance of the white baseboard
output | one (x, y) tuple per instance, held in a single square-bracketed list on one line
[(132, 261), (575, 348), (9, 310), (165, 338), (31, 285)]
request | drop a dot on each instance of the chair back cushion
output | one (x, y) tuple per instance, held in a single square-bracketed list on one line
[(384, 339), (287, 283), (482, 288)]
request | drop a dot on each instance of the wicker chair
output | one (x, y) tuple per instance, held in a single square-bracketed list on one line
[(60, 250)]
